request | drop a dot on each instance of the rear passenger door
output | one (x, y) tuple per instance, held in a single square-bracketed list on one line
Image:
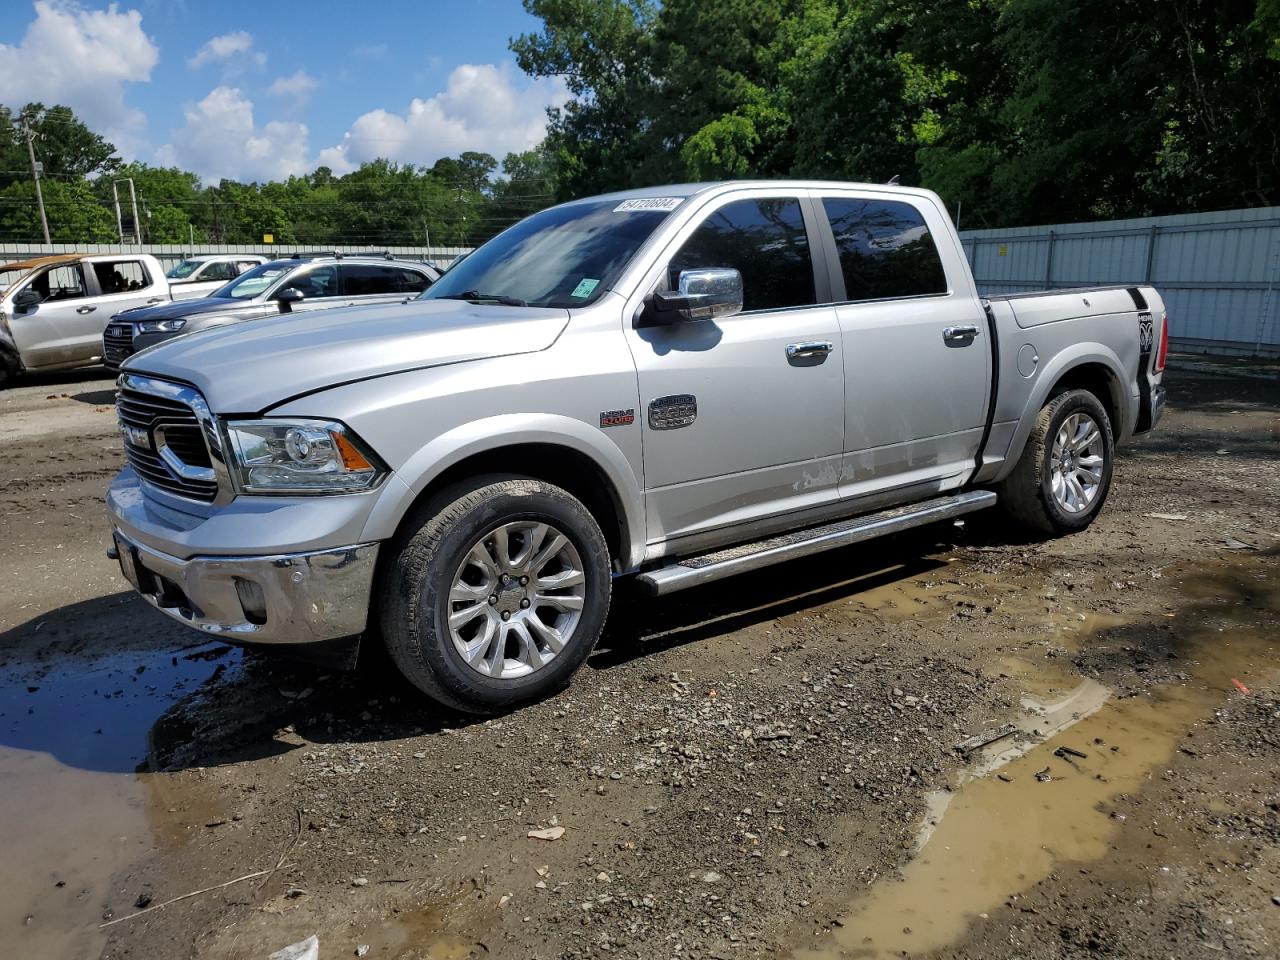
[(916, 357), (123, 284), (743, 416)]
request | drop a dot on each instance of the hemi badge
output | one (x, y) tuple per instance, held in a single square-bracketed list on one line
[(617, 418)]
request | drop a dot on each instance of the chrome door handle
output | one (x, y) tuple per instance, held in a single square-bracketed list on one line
[(813, 348), (956, 334), (85, 309)]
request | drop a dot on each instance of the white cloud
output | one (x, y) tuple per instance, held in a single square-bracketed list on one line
[(221, 140), (83, 59), (298, 86), (234, 47), (483, 107)]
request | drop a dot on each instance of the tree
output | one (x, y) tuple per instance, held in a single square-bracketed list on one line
[(75, 214), (66, 147)]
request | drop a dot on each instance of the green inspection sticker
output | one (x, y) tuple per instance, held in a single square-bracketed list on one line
[(584, 288)]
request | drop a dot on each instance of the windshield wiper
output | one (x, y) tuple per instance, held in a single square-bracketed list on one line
[(492, 297)]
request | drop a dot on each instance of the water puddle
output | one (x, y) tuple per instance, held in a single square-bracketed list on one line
[(74, 810), (1040, 793)]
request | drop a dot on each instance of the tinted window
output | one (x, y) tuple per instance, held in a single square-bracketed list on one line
[(316, 282), (411, 281), (121, 276), (885, 249), (60, 283), (765, 241), (219, 270), (366, 280), (257, 280)]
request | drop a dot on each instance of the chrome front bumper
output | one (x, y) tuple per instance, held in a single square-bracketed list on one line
[(290, 598)]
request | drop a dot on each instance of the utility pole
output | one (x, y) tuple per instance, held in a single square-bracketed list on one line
[(29, 136), (133, 199)]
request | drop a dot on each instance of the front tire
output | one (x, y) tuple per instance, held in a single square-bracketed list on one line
[(495, 594), (1064, 474)]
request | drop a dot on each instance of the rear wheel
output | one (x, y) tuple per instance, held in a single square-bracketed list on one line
[(1063, 477), (498, 596)]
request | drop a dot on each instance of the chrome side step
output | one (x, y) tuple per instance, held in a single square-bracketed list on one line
[(692, 571)]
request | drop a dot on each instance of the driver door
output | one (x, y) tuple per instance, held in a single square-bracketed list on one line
[(743, 416), (64, 327)]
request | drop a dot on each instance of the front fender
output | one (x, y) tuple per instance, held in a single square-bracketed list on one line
[(492, 433)]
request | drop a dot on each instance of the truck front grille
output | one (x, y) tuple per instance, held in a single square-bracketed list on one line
[(117, 343), (140, 413)]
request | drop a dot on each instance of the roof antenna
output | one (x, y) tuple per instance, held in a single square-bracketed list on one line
[(894, 182)]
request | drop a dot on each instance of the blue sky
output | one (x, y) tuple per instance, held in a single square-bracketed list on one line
[(260, 90)]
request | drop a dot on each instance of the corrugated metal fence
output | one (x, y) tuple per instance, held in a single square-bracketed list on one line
[(169, 254), (1219, 273)]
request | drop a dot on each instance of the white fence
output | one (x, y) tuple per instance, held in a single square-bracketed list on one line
[(169, 254), (1219, 273)]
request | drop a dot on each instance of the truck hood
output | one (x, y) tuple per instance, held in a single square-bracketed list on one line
[(175, 309), (249, 367)]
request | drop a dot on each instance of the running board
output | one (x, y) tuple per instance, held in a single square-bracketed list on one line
[(692, 571)]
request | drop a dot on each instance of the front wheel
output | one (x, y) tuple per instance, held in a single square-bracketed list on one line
[(498, 596), (1063, 477)]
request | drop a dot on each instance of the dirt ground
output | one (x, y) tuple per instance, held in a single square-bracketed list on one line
[(786, 764)]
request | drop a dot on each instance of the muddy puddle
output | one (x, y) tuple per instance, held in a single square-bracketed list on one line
[(1041, 792), (73, 808)]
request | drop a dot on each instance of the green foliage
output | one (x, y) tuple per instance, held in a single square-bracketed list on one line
[(1021, 110)]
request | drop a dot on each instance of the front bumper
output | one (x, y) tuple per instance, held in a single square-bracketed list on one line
[(283, 599)]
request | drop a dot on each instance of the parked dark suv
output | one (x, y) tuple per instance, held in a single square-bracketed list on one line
[(299, 283)]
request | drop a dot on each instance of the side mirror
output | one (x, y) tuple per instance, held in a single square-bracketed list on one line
[(703, 294), (288, 297), (25, 300)]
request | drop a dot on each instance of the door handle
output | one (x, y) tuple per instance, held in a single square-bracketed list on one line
[(85, 309), (156, 300), (959, 334), (809, 350)]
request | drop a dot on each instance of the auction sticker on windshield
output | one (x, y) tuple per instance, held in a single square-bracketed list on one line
[(648, 203), (584, 288)]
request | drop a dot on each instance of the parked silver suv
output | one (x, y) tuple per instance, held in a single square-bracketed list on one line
[(298, 284)]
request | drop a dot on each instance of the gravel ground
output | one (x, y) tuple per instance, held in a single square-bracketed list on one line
[(740, 771)]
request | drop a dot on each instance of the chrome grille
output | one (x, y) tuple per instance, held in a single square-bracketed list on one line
[(183, 434), (117, 343)]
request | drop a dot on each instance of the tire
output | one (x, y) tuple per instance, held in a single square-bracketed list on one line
[(436, 570), (9, 367), (1035, 495)]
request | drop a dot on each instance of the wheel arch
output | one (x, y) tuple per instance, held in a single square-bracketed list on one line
[(1093, 367), (551, 448)]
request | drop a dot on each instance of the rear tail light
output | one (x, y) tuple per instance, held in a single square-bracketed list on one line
[(1163, 353)]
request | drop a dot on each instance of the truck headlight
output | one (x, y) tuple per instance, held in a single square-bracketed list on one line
[(160, 326), (299, 456)]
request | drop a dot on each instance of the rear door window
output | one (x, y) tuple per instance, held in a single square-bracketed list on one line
[(121, 276), (765, 241), (885, 249), (369, 280)]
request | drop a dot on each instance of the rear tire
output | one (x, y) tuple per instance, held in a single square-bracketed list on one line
[(1064, 474), (495, 593)]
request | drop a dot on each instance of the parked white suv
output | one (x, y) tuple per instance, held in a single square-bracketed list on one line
[(200, 275), (53, 309)]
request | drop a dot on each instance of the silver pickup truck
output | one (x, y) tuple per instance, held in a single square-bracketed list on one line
[(675, 384)]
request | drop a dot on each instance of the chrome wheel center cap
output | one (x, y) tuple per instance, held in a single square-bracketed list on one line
[(509, 596)]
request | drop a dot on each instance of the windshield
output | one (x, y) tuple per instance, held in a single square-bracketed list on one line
[(564, 257), (184, 269), (250, 284)]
